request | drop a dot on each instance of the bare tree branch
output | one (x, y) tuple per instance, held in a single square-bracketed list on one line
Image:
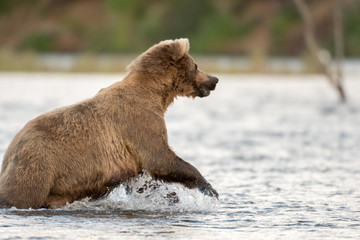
[(338, 40), (335, 81)]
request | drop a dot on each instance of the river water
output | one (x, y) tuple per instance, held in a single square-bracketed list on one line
[(280, 150)]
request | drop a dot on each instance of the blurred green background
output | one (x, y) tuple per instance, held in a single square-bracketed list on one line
[(87, 29)]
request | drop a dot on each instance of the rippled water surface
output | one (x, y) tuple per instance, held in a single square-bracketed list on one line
[(281, 151)]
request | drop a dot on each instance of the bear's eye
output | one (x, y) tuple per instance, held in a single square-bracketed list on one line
[(196, 67)]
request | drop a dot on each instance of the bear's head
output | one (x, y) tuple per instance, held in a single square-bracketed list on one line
[(171, 67)]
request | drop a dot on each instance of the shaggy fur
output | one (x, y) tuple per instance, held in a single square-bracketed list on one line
[(87, 149)]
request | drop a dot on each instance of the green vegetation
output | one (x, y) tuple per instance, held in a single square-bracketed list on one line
[(127, 26), (38, 41), (352, 31), (282, 25)]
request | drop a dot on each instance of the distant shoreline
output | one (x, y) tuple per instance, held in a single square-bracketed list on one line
[(113, 63)]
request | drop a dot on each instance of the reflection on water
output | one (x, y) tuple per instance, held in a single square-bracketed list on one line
[(282, 153)]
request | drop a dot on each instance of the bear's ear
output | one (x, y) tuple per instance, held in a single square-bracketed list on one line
[(184, 45), (165, 52), (177, 48)]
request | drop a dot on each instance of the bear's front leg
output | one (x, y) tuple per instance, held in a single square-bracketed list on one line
[(180, 171), (198, 181), (155, 156)]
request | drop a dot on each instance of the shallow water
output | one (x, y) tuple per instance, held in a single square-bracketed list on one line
[(281, 151)]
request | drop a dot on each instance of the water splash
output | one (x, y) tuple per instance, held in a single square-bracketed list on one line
[(146, 194)]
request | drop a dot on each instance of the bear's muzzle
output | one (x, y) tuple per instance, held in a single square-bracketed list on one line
[(209, 85)]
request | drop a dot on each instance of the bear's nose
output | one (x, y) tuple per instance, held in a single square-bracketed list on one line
[(214, 80)]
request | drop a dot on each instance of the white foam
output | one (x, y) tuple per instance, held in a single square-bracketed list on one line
[(146, 194)]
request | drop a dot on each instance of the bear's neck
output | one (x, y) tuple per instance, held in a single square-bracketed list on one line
[(152, 90)]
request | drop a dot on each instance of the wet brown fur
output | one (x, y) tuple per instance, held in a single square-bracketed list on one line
[(86, 149)]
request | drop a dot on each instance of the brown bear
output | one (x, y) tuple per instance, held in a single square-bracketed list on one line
[(87, 149)]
